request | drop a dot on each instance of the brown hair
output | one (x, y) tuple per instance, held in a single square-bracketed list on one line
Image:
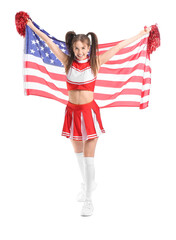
[(71, 38)]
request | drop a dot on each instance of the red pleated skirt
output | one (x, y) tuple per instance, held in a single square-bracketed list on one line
[(82, 122)]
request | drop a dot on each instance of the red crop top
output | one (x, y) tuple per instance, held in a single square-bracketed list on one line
[(80, 76)]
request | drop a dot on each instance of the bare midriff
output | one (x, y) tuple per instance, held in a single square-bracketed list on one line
[(80, 96)]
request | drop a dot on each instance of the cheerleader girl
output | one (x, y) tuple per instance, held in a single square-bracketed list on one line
[(82, 123)]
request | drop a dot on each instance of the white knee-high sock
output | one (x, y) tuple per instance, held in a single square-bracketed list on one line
[(80, 158), (89, 175)]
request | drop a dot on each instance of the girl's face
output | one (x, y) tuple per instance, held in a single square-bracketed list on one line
[(80, 50)]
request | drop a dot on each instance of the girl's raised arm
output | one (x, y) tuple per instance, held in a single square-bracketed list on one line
[(54, 48), (103, 58)]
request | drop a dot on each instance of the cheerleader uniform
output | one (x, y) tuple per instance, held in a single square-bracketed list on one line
[(82, 121)]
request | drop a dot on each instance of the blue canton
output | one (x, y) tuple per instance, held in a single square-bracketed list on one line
[(36, 46)]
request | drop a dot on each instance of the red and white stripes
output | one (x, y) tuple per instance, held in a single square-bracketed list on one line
[(124, 81)]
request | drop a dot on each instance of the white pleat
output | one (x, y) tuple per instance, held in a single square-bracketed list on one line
[(83, 128), (96, 124)]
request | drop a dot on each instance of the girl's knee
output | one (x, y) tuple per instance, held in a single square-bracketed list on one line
[(77, 145), (89, 147)]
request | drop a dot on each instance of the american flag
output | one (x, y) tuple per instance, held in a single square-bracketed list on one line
[(123, 81)]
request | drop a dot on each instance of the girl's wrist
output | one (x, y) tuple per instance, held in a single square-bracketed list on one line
[(142, 33), (29, 23), (145, 31)]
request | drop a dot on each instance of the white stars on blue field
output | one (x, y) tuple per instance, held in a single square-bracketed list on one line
[(37, 47)]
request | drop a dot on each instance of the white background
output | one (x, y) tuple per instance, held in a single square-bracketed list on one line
[(135, 158)]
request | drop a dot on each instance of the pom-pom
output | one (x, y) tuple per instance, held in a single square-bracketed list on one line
[(153, 39), (21, 19)]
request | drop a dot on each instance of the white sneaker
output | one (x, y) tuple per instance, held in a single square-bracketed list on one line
[(81, 197), (87, 209)]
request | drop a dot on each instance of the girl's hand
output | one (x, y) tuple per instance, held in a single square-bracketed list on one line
[(145, 31), (29, 22)]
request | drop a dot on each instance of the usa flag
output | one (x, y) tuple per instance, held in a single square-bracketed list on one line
[(123, 81)]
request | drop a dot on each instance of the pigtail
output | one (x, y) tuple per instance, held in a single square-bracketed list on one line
[(94, 52), (68, 40)]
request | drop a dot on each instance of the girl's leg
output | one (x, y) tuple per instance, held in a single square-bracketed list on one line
[(85, 152), (89, 147), (78, 149), (89, 152), (77, 145)]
